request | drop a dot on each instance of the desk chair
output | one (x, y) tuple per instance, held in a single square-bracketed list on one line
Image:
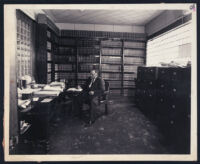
[(103, 99)]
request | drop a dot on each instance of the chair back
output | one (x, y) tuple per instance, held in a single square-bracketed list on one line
[(107, 86)]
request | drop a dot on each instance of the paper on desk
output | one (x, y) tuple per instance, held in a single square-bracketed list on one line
[(55, 83), (24, 103), (45, 93), (46, 100), (75, 89), (52, 88)]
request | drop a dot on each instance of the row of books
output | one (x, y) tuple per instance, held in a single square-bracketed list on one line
[(49, 67), (111, 51), (88, 51), (49, 56), (134, 60), (48, 45), (65, 75), (109, 59), (134, 45), (115, 84), (132, 52), (130, 68), (81, 82), (130, 76), (83, 75), (129, 92), (87, 42), (89, 58), (111, 76), (111, 68), (62, 58), (128, 83), (67, 51), (48, 78), (67, 41), (64, 67), (111, 43), (88, 67), (105, 34), (115, 91)]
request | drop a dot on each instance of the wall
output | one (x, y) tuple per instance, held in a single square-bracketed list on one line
[(10, 89), (98, 27), (163, 20)]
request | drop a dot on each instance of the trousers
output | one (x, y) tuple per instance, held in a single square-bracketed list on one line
[(92, 101)]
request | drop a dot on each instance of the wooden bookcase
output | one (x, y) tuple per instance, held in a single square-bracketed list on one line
[(74, 53), (47, 49)]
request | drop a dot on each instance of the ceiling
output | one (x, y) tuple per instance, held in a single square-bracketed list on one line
[(108, 17)]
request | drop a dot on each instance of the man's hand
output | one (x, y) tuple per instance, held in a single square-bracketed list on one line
[(91, 93)]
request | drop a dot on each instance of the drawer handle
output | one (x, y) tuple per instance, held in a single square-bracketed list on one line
[(174, 90)]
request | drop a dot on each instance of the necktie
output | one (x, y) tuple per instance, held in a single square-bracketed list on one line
[(92, 81)]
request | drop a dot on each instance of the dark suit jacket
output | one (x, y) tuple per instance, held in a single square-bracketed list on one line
[(98, 86)]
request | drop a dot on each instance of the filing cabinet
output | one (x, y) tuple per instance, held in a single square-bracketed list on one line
[(163, 94)]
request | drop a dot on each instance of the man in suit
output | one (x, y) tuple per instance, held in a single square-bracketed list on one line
[(92, 89)]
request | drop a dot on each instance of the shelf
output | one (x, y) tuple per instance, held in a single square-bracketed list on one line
[(110, 72), (129, 80), (70, 46), (127, 56), (112, 63), (128, 88), (65, 71), (111, 46), (111, 55), (50, 61), (129, 72), (89, 47), (64, 62), (112, 80), (134, 64), (134, 48), (59, 54), (89, 63)]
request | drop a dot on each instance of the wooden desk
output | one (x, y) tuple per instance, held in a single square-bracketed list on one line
[(38, 115)]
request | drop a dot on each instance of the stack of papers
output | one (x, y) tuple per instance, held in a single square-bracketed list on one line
[(44, 93), (23, 103), (55, 83), (75, 89), (46, 100), (54, 88)]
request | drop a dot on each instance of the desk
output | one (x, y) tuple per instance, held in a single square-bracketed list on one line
[(72, 95)]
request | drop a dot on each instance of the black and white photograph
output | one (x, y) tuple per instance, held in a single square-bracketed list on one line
[(90, 82)]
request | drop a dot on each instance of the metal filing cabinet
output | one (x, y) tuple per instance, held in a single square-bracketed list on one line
[(164, 95)]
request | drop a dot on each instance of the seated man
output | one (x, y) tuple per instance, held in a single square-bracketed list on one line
[(92, 89)]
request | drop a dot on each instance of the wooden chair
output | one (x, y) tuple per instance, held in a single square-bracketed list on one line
[(103, 99)]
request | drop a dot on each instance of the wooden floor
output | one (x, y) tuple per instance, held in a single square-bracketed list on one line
[(125, 130)]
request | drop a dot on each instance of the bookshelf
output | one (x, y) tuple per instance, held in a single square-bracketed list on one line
[(119, 62), (47, 50), (117, 56)]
